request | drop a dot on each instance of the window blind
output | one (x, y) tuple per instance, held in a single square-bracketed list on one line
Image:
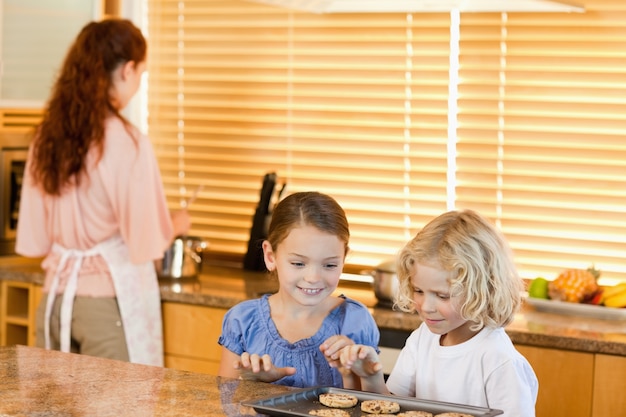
[(541, 137), (329, 104), (370, 109)]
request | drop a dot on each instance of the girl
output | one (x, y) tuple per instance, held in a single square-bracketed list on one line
[(458, 274), (290, 337), (93, 203)]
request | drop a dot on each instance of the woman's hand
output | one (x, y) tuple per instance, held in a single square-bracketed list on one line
[(181, 222), (253, 367)]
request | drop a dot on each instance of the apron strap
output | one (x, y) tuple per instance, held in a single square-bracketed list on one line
[(67, 305), (69, 294), (51, 296)]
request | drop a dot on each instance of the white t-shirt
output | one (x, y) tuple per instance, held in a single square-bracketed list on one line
[(486, 371)]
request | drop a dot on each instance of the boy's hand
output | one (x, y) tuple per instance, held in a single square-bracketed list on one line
[(331, 348), (361, 360)]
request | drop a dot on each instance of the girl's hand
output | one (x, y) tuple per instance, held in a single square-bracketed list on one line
[(361, 360), (253, 367), (332, 346)]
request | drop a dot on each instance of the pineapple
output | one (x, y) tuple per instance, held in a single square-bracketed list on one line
[(574, 285)]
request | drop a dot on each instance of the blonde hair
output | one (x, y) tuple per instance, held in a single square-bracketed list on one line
[(479, 260)]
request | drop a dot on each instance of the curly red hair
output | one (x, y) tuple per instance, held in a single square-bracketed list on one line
[(79, 104)]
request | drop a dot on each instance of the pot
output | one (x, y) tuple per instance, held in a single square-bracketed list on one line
[(183, 259), (385, 283)]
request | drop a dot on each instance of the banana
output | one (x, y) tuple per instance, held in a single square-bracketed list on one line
[(616, 298), (613, 290)]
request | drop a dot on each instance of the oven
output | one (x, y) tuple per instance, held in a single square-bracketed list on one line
[(13, 154)]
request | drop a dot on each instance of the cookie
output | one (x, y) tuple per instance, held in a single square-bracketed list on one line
[(414, 413), (338, 400), (453, 415), (380, 407), (329, 412)]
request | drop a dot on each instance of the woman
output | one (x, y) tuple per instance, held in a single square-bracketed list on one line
[(93, 204)]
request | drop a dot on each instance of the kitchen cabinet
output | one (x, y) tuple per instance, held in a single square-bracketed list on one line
[(19, 120), (609, 386), (190, 334), (576, 384), (565, 381), (18, 305)]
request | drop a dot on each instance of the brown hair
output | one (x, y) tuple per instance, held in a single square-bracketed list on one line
[(308, 208), (75, 115)]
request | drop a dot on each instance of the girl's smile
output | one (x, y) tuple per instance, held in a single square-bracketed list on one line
[(311, 291), (308, 263)]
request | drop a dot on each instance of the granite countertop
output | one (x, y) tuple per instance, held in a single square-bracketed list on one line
[(36, 382), (39, 382), (224, 286)]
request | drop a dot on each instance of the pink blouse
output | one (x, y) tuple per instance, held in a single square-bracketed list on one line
[(122, 195)]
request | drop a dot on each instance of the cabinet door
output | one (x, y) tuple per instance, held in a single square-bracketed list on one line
[(18, 304), (34, 298), (210, 367), (610, 386), (190, 334), (565, 381)]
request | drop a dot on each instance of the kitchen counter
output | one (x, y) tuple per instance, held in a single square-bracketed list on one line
[(38, 382), (224, 286)]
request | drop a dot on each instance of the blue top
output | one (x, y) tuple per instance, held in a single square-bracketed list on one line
[(248, 327)]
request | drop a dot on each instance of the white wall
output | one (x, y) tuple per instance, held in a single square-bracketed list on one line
[(136, 111)]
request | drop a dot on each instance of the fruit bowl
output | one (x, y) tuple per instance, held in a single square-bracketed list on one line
[(577, 309)]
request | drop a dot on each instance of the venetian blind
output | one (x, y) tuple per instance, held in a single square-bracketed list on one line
[(340, 104), (542, 134), (367, 107)]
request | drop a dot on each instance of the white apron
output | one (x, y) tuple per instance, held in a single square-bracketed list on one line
[(138, 297)]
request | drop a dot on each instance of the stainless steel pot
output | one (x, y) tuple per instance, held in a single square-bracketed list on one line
[(183, 259), (385, 283)]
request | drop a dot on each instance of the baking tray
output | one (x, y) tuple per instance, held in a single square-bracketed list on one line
[(577, 309), (300, 402)]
